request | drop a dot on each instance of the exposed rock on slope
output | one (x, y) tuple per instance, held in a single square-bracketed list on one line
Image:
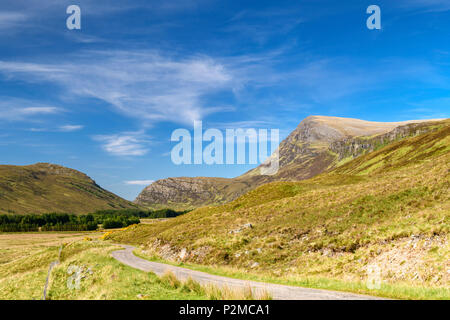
[(44, 187), (186, 193), (318, 144)]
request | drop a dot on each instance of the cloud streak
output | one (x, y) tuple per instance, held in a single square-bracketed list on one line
[(10, 20), (124, 144), (154, 87), (143, 84), (12, 109), (70, 128), (139, 182)]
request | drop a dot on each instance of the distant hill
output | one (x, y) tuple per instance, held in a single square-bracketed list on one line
[(389, 207), (44, 187), (317, 145)]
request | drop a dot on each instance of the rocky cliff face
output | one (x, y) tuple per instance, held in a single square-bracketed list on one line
[(183, 193), (352, 147), (318, 144)]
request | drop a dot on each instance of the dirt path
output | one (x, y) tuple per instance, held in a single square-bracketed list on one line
[(278, 292)]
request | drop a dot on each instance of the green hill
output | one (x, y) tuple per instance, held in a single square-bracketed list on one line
[(43, 188), (389, 207)]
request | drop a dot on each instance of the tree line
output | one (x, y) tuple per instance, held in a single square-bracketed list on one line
[(108, 219)]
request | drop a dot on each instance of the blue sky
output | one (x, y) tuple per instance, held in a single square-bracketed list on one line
[(105, 99)]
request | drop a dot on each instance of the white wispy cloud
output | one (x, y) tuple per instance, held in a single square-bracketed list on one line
[(38, 129), (12, 109), (37, 110), (140, 182), (153, 86), (9, 20), (125, 144), (70, 128), (65, 128), (242, 124), (141, 84), (28, 68)]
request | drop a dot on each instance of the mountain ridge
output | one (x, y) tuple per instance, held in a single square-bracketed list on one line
[(312, 148)]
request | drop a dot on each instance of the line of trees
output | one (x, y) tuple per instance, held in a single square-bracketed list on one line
[(109, 219), (47, 222)]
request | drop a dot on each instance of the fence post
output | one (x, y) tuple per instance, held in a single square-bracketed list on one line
[(53, 264)]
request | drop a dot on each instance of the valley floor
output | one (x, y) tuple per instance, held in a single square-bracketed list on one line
[(86, 271)]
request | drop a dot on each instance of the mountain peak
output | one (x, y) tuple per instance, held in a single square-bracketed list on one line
[(330, 129)]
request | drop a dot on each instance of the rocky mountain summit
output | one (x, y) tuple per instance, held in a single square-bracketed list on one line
[(317, 145)]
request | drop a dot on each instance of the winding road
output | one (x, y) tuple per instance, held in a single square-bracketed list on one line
[(277, 292)]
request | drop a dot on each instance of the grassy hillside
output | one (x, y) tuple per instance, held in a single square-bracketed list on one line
[(42, 188), (390, 207)]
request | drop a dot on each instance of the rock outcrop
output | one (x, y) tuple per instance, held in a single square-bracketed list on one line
[(185, 193)]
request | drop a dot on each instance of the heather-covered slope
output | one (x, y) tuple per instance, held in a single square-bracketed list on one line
[(318, 144), (389, 207), (43, 188)]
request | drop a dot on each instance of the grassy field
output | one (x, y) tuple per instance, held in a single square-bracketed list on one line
[(389, 208), (15, 246), (23, 272)]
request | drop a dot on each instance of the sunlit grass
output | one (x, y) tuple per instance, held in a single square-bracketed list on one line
[(393, 291)]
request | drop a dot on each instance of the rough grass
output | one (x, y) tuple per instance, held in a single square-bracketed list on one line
[(332, 226), (400, 290), (102, 276), (17, 245), (213, 292)]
